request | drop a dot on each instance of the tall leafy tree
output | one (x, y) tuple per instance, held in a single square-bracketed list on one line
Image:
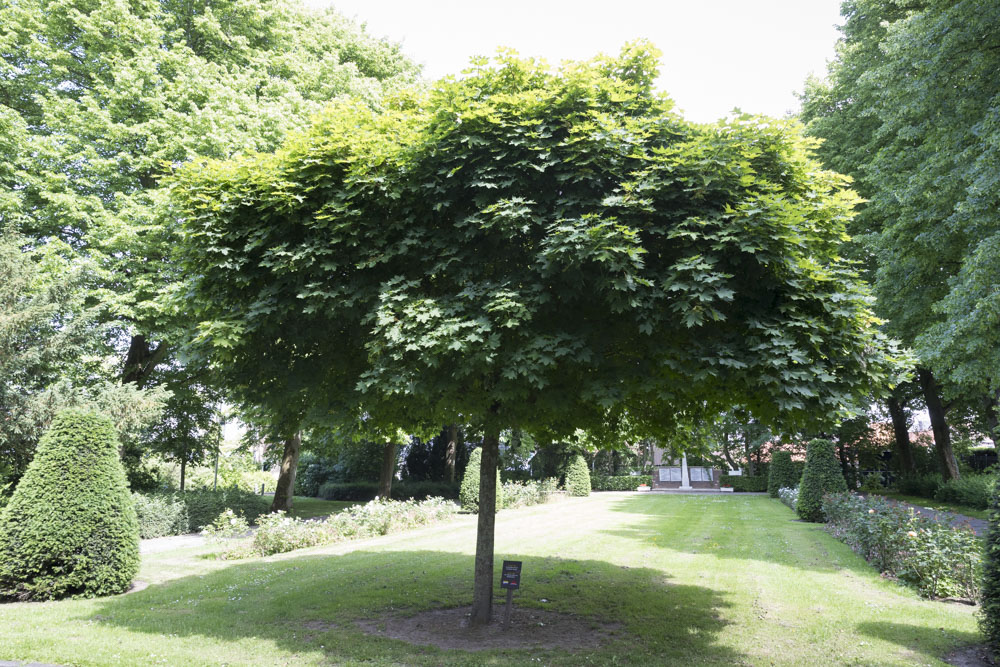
[(102, 97), (535, 249)]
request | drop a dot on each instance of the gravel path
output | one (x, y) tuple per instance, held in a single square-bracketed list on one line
[(158, 544), (978, 525)]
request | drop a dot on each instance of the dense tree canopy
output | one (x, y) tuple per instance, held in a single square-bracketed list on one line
[(531, 248)]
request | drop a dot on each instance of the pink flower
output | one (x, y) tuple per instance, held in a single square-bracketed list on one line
[(911, 533), (871, 511)]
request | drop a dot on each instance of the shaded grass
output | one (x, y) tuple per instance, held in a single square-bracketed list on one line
[(311, 508), (691, 579), (939, 505)]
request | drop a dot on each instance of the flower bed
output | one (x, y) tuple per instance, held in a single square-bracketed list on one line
[(789, 496), (938, 559)]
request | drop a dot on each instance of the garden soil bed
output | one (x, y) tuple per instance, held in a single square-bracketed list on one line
[(529, 628)]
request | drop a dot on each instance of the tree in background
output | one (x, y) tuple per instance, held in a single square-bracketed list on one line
[(525, 248), (821, 475)]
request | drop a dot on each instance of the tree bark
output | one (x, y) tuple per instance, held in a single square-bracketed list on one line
[(942, 434), (141, 360), (482, 588), (183, 465), (746, 450), (452, 452), (725, 452), (284, 491), (907, 466), (387, 471)]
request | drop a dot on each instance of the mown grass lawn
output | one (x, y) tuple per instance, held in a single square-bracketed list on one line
[(692, 580)]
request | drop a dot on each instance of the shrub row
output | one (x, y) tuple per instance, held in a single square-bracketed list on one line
[(365, 491), (744, 484), (619, 482), (532, 492), (278, 533), (972, 490), (938, 559), (923, 486), (163, 514)]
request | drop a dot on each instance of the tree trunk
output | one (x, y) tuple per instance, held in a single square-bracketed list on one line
[(902, 437), (387, 471), (141, 360), (942, 434), (725, 452), (746, 450), (183, 465), (845, 464), (452, 452), (284, 491), (482, 589)]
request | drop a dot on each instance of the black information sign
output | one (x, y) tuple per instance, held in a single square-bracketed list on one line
[(510, 575)]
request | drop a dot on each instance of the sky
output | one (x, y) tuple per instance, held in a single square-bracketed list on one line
[(717, 54)]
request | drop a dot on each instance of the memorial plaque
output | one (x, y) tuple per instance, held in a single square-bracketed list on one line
[(510, 574)]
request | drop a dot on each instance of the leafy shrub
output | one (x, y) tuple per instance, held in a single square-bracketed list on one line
[(468, 494), (989, 604), (741, 484), (160, 515), (365, 491), (789, 496), (70, 529), (923, 486), (938, 559), (227, 525), (822, 475), (782, 473), (313, 472), (971, 490), (619, 482), (532, 492), (278, 533), (203, 505), (578, 477), (872, 483)]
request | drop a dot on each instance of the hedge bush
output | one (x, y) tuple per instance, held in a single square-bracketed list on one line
[(782, 474), (160, 515), (742, 484), (531, 492), (70, 529), (365, 491), (619, 482), (578, 477), (204, 505), (822, 475), (972, 490), (468, 494), (989, 595), (924, 486)]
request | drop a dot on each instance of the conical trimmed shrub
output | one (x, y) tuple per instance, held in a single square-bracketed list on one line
[(578, 477), (468, 493), (822, 475), (782, 473), (989, 603), (70, 529)]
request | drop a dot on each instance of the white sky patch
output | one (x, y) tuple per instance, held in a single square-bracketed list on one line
[(717, 54)]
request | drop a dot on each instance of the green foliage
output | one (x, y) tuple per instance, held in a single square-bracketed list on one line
[(972, 490), (782, 473), (715, 248), (468, 494), (228, 525), (160, 515), (938, 559), (789, 497), (400, 490), (278, 533), (70, 529), (531, 492), (204, 505), (619, 482), (744, 483), (578, 477), (989, 599), (822, 475), (924, 486)]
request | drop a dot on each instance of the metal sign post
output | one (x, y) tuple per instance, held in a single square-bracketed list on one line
[(510, 578)]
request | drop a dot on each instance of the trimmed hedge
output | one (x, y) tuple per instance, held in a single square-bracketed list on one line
[(782, 473), (741, 484), (924, 486), (578, 477), (619, 482), (365, 491), (989, 594), (70, 529), (160, 515), (821, 476), (468, 494)]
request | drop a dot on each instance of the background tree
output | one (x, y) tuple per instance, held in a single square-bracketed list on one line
[(542, 250)]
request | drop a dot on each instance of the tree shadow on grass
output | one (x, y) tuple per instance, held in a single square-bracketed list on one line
[(927, 643), (310, 605)]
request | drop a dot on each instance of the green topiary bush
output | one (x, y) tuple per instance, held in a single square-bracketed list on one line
[(468, 493), (70, 529), (783, 474), (578, 477), (821, 475), (989, 594), (744, 484)]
